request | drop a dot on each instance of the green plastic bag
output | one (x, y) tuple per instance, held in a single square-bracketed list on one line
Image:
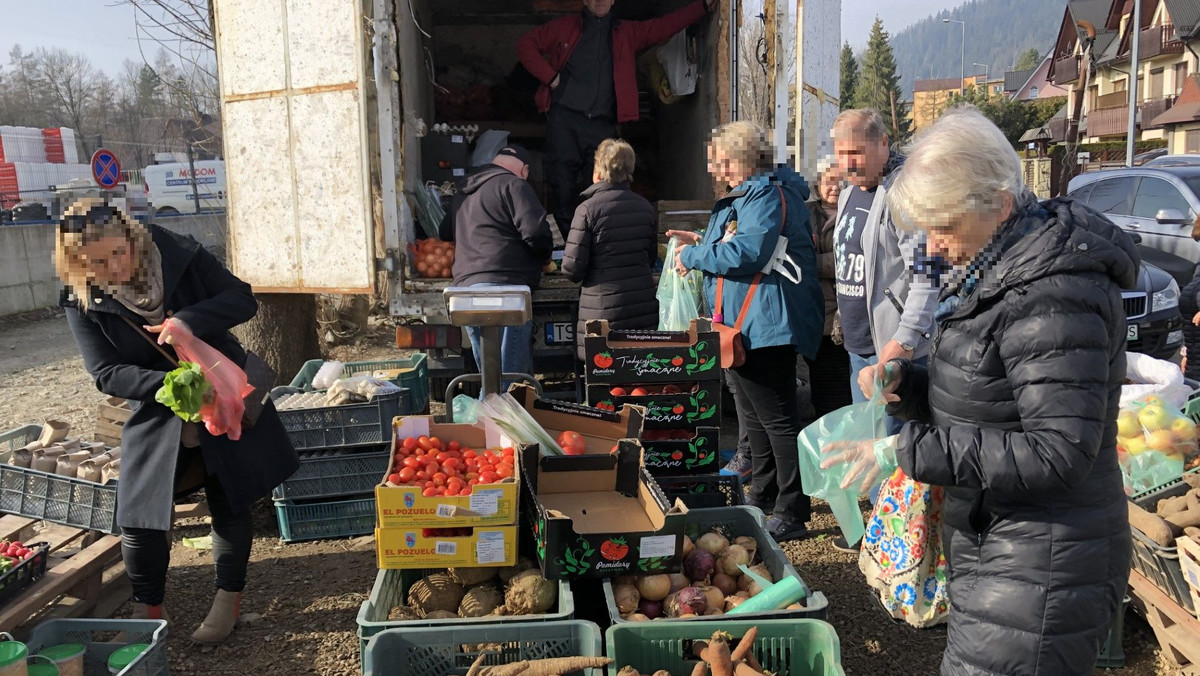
[(857, 422), (678, 296)]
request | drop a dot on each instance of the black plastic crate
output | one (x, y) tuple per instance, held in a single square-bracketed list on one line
[(703, 491), (336, 472), (1160, 564), (347, 425), (24, 573)]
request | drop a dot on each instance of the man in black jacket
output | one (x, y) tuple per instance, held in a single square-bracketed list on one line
[(501, 237)]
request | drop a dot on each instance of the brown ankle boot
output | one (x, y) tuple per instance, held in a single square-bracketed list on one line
[(141, 611), (221, 620)]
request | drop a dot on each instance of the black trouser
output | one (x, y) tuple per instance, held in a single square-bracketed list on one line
[(571, 142), (829, 377), (147, 553), (766, 399)]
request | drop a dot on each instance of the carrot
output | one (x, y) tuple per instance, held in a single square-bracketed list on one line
[(477, 664), (547, 667), (701, 669), (745, 645), (744, 669), (717, 654)]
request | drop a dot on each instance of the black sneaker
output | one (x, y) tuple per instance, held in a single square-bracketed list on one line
[(782, 531), (738, 466), (840, 544)]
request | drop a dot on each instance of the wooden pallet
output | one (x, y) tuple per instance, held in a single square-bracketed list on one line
[(85, 576), (110, 420), (1177, 630)]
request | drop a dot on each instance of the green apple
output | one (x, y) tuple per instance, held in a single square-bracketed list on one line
[(1154, 417), (1128, 425)]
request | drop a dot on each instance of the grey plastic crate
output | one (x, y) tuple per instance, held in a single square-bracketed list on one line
[(97, 639), (18, 438), (336, 472), (340, 426), (736, 521), (1160, 564), (440, 651), (325, 520)]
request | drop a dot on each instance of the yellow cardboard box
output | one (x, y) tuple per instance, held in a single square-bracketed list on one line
[(399, 548), (491, 505)]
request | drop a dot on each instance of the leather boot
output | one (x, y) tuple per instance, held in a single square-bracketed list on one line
[(221, 620), (141, 611)]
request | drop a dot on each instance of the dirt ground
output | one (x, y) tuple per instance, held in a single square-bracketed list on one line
[(303, 599)]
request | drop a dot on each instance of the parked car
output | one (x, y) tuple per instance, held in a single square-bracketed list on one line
[(1189, 160), (169, 187), (1148, 156)]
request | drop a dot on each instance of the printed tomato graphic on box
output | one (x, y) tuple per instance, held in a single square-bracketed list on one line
[(614, 549), (679, 452), (603, 360), (697, 404)]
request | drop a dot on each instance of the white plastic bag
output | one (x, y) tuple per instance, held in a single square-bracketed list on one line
[(1153, 376), (681, 71)]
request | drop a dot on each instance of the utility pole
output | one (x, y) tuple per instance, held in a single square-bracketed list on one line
[(192, 172), (962, 56), (1133, 81)]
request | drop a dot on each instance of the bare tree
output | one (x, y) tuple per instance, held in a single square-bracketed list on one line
[(70, 83), (754, 81)]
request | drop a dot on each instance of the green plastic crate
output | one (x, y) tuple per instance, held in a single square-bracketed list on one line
[(97, 639), (417, 381), (336, 472), (734, 521), (791, 647), (439, 651), (391, 590), (325, 520)]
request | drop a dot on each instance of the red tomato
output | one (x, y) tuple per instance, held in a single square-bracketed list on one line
[(618, 392), (394, 478), (472, 482), (671, 389), (429, 492), (424, 442), (505, 471), (639, 392), (413, 462), (410, 443), (422, 475), (472, 476), (572, 443), (508, 452), (440, 478), (453, 446), (483, 469), (450, 463), (407, 474), (469, 454), (436, 443), (488, 477)]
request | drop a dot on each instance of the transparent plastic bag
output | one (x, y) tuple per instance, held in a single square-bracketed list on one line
[(511, 417), (465, 409), (1155, 443), (855, 423), (222, 413), (678, 295)]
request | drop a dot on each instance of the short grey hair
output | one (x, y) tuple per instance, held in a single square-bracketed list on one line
[(866, 121), (961, 164)]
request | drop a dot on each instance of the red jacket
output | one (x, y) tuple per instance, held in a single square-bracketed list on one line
[(545, 50)]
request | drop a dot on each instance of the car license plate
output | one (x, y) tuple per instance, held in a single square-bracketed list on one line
[(1131, 333), (560, 333)]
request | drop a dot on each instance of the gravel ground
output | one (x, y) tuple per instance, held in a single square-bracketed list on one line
[(303, 599)]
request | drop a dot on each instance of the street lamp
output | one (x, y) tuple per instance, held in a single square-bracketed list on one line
[(962, 55)]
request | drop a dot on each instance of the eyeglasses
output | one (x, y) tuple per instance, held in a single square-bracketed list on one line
[(77, 223)]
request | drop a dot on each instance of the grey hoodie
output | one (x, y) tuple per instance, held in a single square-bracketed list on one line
[(901, 303)]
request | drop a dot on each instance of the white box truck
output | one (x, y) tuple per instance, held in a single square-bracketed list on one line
[(325, 104)]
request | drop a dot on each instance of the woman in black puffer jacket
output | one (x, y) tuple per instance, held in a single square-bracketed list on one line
[(1016, 413), (612, 247)]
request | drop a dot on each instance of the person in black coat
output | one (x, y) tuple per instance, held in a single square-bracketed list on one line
[(612, 247), (119, 275), (1016, 413)]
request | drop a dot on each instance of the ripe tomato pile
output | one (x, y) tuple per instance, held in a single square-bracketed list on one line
[(650, 390), (446, 468)]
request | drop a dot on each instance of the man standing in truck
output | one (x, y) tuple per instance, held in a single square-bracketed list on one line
[(586, 63), (501, 238)]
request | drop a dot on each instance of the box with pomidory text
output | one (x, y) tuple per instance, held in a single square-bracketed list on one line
[(598, 516), (640, 356), (401, 548), (598, 429), (448, 476), (666, 407), (682, 451)]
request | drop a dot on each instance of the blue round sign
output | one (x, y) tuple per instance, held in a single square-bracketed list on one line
[(105, 169)]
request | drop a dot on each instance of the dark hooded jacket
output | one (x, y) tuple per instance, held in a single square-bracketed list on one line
[(199, 291), (611, 249), (1016, 417), (499, 228)]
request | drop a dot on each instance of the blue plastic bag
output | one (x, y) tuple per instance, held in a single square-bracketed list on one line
[(857, 422)]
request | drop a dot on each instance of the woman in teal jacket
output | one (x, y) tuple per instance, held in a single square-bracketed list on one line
[(785, 317)]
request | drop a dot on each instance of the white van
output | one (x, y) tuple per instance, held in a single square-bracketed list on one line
[(169, 187)]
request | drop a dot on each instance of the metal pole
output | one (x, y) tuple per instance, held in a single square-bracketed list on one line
[(490, 343), (192, 169), (1133, 82), (962, 60)]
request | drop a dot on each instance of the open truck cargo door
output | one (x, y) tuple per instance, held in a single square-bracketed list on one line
[(294, 111)]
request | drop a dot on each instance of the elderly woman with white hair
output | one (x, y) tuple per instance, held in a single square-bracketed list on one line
[(1016, 413)]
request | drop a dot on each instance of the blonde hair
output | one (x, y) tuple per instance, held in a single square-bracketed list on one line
[(615, 160), (961, 164), (745, 142), (81, 225)]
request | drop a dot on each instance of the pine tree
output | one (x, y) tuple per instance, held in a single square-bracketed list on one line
[(878, 84), (1029, 59), (849, 76)]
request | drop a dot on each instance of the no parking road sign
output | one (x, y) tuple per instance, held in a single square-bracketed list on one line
[(105, 169)]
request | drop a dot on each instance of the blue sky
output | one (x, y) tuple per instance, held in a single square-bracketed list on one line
[(104, 29)]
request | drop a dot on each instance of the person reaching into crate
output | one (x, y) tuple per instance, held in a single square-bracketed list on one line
[(123, 283), (779, 312), (1016, 413), (612, 247)]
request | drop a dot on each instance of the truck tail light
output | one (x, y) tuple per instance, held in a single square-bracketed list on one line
[(424, 336)]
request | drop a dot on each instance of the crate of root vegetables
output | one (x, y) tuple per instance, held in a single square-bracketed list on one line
[(462, 597), (312, 421), (1156, 520), (730, 560), (562, 648), (745, 647)]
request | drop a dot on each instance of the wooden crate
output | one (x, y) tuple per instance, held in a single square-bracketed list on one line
[(110, 420), (1177, 630), (1189, 561)]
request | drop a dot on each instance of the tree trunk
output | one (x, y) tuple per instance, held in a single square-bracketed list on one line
[(283, 333)]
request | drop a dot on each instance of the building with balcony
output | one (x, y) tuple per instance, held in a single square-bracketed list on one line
[(1030, 85)]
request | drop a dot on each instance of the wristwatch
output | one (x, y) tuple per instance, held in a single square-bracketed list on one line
[(908, 348)]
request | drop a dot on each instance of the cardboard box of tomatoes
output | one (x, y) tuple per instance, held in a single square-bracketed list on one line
[(682, 451), (667, 407), (597, 516), (448, 476), (651, 356), (402, 548), (580, 429)]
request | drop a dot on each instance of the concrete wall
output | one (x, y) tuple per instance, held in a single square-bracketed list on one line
[(27, 279)]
